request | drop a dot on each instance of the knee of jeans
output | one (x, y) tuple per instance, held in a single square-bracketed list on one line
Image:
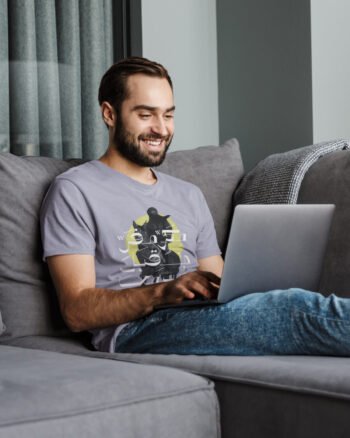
[(292, 294), (305, 299)]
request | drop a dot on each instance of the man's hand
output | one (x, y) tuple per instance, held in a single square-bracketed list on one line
[(188, 286)]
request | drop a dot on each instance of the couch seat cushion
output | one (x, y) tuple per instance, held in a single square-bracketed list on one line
[(321, 375), (51, 394), (267, 396)]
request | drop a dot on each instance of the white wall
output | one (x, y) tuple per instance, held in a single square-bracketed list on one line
[(181, 35), (330, 38)]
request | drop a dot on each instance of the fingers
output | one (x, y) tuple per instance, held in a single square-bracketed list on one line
[(200, 283), (206, 291), (210, 276), (186, 293), (175, 291), (189, 285)]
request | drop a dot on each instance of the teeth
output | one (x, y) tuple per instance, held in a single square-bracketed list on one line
[(153, 143)]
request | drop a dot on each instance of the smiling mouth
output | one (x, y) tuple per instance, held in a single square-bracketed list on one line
[(154, 143)]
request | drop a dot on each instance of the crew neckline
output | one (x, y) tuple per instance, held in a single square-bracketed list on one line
[(130, 181)]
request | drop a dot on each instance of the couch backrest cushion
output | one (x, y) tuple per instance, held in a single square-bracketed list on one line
[(2, 326), (328, 181), (27, 298), (217, 172), (27, 304)]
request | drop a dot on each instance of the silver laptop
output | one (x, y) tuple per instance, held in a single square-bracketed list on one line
[(270, 247)]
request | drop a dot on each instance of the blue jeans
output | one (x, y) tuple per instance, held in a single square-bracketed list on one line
[(291, 321)]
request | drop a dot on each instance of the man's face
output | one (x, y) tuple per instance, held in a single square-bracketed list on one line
[(145, 125)]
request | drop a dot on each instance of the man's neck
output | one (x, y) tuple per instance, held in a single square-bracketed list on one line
[(114, 160)]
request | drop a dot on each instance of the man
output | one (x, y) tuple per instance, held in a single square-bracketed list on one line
[(122, 239)]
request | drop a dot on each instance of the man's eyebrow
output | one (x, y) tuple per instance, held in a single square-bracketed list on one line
[(151, 108)]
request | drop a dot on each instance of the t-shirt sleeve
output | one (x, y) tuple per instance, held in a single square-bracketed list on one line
[(207, 244), (65, 221)]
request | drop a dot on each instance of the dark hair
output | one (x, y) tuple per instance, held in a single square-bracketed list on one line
[(113, 87)]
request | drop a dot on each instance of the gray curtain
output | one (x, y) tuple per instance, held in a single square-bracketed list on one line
[(52, 56)]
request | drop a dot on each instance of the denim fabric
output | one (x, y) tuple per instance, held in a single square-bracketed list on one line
[(292, 321)]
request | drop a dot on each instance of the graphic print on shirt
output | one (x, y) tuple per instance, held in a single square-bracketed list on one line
[(154, 243)]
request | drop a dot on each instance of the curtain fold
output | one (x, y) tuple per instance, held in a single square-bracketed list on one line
[(52, 56), (50, 135), (4, 80), (92, 49), (23, 79), (68, 33)]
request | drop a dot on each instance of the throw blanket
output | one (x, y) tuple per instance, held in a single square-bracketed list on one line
[(277, 178)]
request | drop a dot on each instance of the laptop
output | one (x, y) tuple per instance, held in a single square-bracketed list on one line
[(277, 246)]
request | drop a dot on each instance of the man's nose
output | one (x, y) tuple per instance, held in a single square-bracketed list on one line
[(159, 127)]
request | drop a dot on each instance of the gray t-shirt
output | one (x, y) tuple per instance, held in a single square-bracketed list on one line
[(138, 234)]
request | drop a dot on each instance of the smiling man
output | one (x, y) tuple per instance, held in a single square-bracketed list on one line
[(122, 239)]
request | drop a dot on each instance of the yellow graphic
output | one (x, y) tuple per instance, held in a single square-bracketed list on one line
[(133, 238)]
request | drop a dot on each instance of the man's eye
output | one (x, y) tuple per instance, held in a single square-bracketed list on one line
[(169, 116), (145, 116)]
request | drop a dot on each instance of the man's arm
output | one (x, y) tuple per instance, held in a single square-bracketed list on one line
[(213, 264), (85, 307)]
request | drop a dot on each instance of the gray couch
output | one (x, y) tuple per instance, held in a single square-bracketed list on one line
[(46, 393)]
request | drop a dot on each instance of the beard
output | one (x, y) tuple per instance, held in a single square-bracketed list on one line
[(128, 145)]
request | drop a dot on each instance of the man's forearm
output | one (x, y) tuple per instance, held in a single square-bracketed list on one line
[(99, 308), (93, 308)]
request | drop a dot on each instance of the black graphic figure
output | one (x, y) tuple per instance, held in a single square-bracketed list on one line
[(153, 247)]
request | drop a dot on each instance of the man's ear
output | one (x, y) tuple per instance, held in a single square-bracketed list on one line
[(109, 115)]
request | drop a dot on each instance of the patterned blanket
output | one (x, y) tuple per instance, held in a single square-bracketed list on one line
[(277, 178)]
